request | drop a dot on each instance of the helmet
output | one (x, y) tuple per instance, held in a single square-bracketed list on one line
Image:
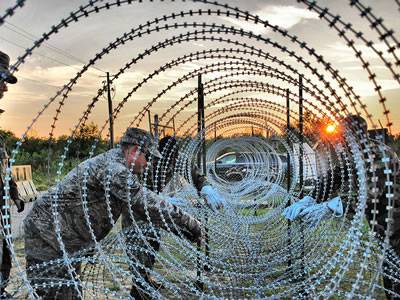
[(4, 71), (356, 122), (137, 136)]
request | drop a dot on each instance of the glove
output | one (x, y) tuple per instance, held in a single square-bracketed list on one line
[(194, 235), (20, 205), (213, 197), (176, 201), (336, 206), (314, 214), (292, 212)]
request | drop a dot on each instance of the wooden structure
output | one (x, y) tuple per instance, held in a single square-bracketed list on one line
[(23, 177)]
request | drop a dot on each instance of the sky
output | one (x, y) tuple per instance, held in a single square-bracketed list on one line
[(52, 65)]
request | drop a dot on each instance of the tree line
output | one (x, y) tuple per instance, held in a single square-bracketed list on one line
[(43, 154)]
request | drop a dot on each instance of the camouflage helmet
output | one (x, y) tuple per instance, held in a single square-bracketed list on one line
[(140, 137), (356, 122), (4, 72)]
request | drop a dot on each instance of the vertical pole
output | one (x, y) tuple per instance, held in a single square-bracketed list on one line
[(199, 123), (203, 134), (155, 128), (110, 112), (215, 131), (301, 169), (199, 115), (301, 137), (203, 157), (149, 116), (173, 125), (289, 223), (215, 139)]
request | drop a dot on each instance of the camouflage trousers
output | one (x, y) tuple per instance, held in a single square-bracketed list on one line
[(142, 244), (388, 283), (394, 241), (5, 263), (5, 267), (39, 274), (38, 252)]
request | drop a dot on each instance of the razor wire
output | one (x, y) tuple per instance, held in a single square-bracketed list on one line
[(248, 239)]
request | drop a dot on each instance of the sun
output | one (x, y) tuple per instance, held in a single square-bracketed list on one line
[(331, 128)]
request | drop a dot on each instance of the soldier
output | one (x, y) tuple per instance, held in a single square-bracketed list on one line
[(387, 217), (169, 184), (5, 254), (109, 187)]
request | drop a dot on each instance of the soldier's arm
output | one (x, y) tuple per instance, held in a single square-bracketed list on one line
[(199, 179), (13, 190), (328, 186), (14, 195), (150, 207), (165, 215), (334, 184)]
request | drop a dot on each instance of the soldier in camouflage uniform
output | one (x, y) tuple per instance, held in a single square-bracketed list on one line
[(377, 202), (110, 188), (387, 217), (5, 255)]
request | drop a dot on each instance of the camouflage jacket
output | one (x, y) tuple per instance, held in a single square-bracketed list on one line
[(13, 186), (387, 186), (384, 196), (105, 172)]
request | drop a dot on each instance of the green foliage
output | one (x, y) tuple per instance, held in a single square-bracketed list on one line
[(44, 155)]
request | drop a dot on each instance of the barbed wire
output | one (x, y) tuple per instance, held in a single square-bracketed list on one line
[(247, 78)]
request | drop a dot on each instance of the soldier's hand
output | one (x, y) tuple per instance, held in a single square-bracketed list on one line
[(214, 199), (293, 211), (194, 235), (20, 205)]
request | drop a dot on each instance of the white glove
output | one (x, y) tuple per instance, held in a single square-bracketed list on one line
[(314, 214), (213, 197), (176, 201), (336, 206), (292, 212)]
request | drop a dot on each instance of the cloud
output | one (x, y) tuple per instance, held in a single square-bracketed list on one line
[(45, 80), (360, 68), (344, 54), (283, 16), (198, 45), (366, 88)]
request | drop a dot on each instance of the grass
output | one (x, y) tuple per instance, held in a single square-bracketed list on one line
[(171, 251)]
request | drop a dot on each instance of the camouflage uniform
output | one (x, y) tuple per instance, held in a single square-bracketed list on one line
[(334, 183), (5, 254), (41, 243), (380, 206)]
